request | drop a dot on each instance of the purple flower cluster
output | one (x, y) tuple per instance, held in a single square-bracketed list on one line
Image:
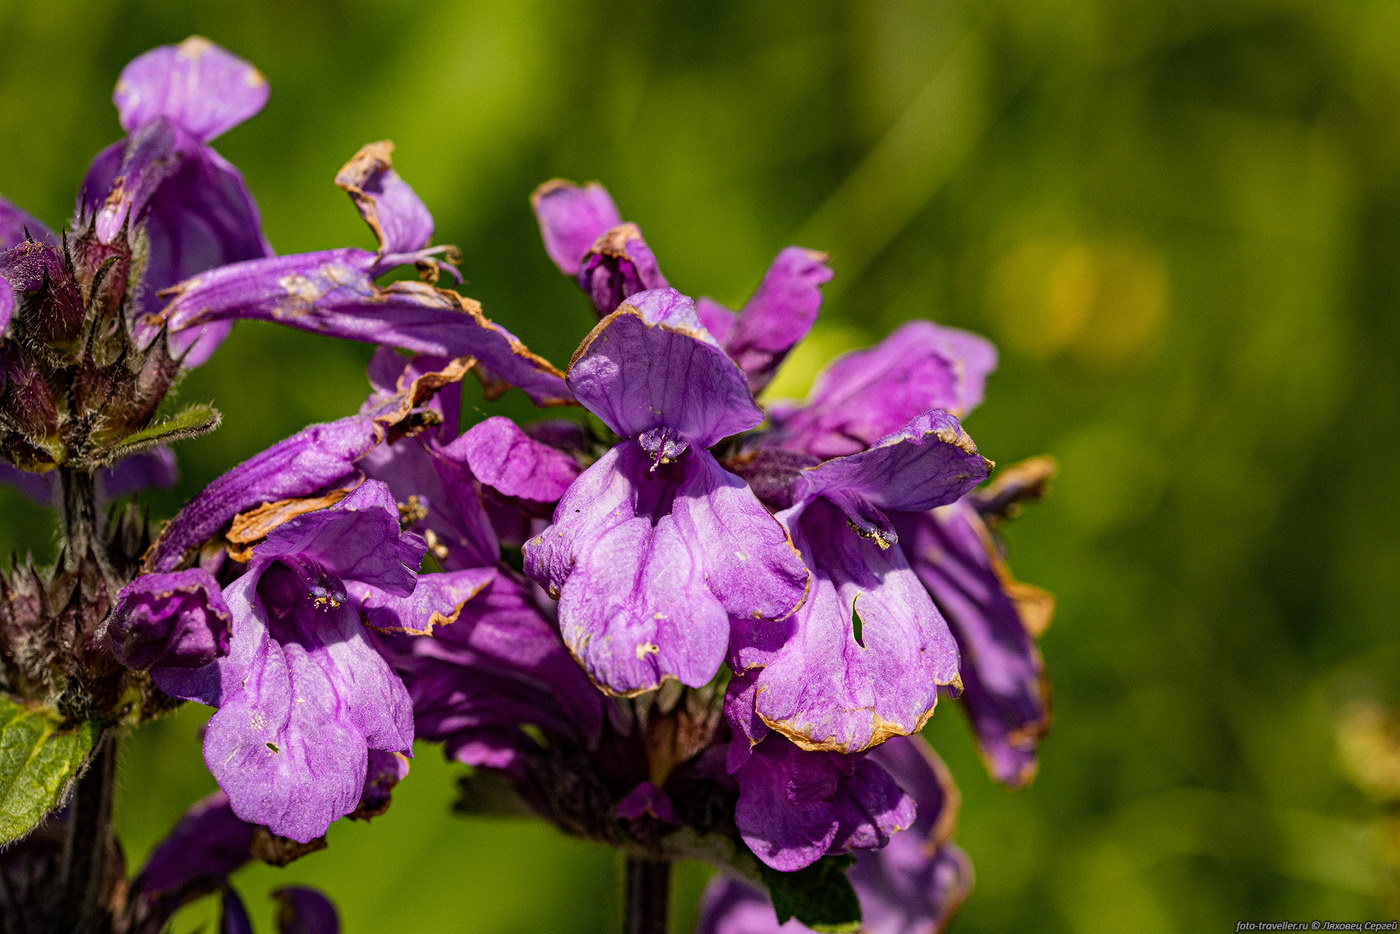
[(697, 626)]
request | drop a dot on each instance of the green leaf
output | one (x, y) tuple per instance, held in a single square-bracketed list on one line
[(38, 763), (190, 422), (819, 896)]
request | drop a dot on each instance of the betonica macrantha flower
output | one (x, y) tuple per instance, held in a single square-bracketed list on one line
[(868, 393), (303, 695), (656, 546), (164, 177), (828, 682), (995, 617), (914, 884), (863, 659), (82, 366), (281, 647), (585, 236)]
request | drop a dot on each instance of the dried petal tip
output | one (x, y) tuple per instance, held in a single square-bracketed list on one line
[(392, 209)]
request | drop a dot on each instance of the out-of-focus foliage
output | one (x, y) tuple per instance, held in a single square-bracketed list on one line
[(1179, 219)]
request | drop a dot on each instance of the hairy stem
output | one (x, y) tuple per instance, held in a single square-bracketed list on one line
[(83, 532), (648, 909), (88, 845)]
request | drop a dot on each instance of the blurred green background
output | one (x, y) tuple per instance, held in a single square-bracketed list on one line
[(1180, 220)]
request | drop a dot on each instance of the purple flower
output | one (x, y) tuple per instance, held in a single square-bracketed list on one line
[(863, 659), (584, 235), (656, 546), (194, 206), (993, 618), (196, 858), (303, 694), (334, 292), (913, 885), (309, 710), (867, 394), (176, 620), (796, 806)]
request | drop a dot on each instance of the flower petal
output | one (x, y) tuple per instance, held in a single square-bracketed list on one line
[(149, 157), (38, 487), (436, 601), (647, 800), (312, 459), (912, 885), (501, 665), (174, 620), (502, 456), (652, 365), (439, 502), (746, 727), (618, 265), (153, 469), (357, 539), (305, 911), (196, 85), (16, 226), (1006, 694), (716, 318), (779, 314), (751, 564), (200, 851), (795, 806), (384, 772), (278, 745), (334, 293), (828, 687), (784, 812), (298, 712), (571, 218), (634, 604), (929, 462), (202, 217), (233, 916), (867, 394), (731, 906), (392, 209)]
